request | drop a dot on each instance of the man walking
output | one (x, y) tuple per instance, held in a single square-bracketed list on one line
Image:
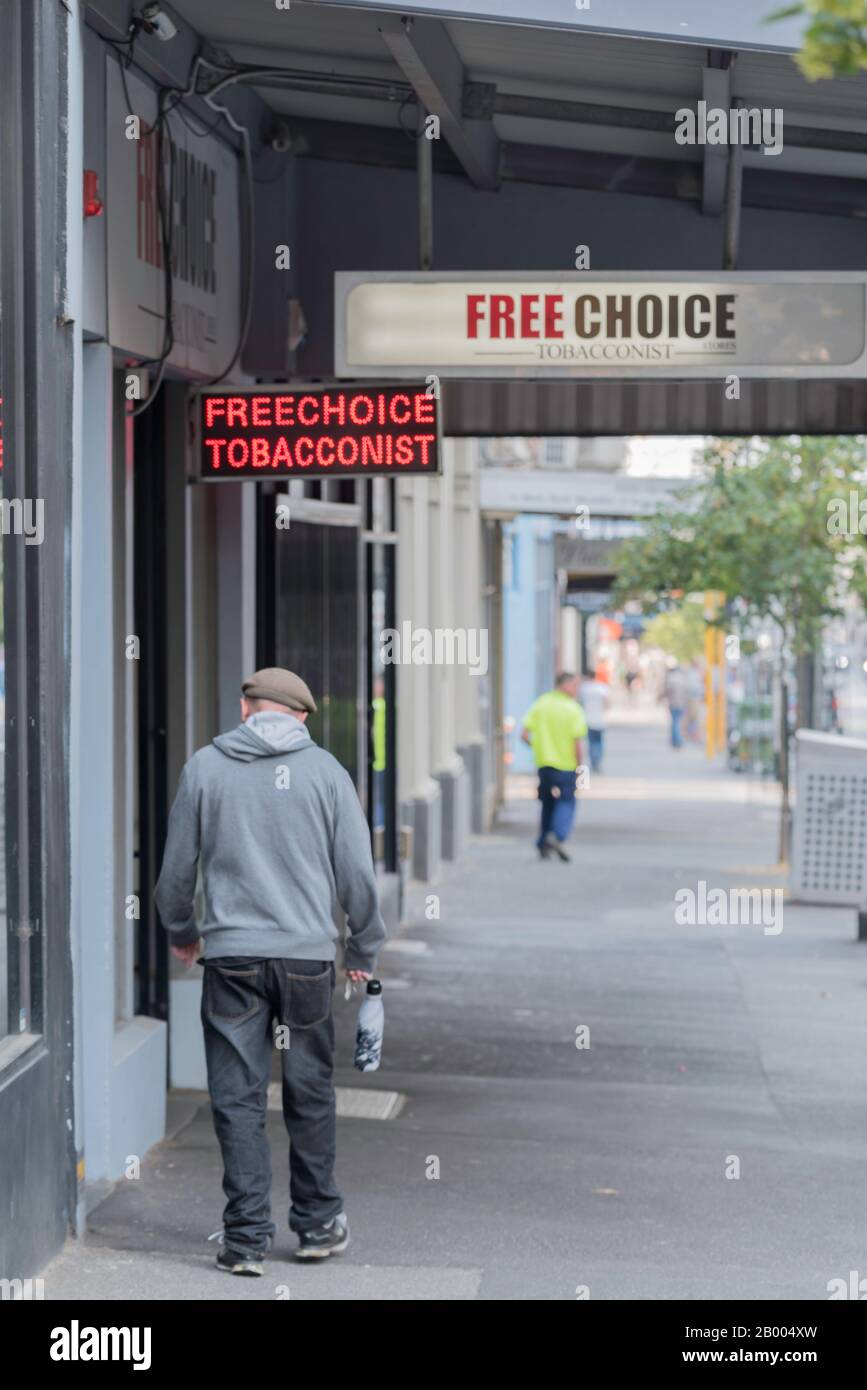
[(676, 694), (554, 727), (595, 700), (276, 827)]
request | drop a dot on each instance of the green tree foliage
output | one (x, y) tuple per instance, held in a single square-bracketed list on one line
[(758, 527), (835, 41), (679, 632)]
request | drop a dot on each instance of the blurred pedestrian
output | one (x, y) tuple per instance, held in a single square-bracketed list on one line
[(276, 826), (595, 697), (379, 751), (694, 701), (676, 694), (554, 726)]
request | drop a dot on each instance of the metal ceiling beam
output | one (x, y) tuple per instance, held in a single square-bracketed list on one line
[(426, 55), (734, 201), (482, 100), (716, 90), (636, 118), (353, 143)]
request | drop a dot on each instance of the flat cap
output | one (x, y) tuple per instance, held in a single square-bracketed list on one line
[(283, 687)]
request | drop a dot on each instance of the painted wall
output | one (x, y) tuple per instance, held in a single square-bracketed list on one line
[(529, 638)]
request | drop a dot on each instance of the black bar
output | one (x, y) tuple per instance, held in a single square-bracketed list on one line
[(150, 606)]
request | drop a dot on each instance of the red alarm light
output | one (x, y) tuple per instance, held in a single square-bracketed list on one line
[(92, 201)]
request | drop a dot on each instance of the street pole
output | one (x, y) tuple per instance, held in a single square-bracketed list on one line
[(785, 809), (709, 696), (733, 205), (721, 690), (424, 166)]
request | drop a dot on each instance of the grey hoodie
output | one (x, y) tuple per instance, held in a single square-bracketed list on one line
[(277, 827)]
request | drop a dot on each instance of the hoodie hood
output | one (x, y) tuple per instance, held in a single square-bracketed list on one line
[(264, 734)]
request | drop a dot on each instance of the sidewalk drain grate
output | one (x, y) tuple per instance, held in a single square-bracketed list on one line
[(353, 1104)]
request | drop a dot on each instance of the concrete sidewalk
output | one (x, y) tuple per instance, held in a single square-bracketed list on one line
[(558, 1167)]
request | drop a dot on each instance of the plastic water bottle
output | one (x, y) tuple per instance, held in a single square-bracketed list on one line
[(371, 1022)]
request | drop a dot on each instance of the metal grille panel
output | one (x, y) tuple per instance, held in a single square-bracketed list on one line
[(561, 408), (830, 831)]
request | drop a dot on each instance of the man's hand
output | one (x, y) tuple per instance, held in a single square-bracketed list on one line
[(187, 954), (358, 976)]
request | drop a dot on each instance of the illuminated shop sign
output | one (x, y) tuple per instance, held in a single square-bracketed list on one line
[(317, 432), (200, 183), (632, 324)]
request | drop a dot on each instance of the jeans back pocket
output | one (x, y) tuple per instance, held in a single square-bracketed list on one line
[(308, 997), (231, 991)]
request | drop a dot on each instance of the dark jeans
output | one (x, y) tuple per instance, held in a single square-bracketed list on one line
[(242, 998), (557, 795)]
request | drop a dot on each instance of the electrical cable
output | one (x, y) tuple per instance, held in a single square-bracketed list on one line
[(410, 134), (184, 116), (165, 94), (170, 101), (164, 213), (247, 314), (250, 72)]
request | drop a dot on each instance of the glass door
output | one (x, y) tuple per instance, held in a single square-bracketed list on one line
[(382, 724), (315, 628)]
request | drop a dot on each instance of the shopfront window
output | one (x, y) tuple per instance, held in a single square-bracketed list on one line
[(378, 703), (4, 950), (381, 717), (316, 627), (21, 522), (11, 1018), (15, 922)]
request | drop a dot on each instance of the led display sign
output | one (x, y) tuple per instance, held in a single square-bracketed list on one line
[(317, 432)]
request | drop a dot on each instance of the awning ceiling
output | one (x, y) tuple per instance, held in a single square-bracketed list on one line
[(581, 91)]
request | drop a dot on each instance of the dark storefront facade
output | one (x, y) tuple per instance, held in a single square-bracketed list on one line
[(37, 1149)]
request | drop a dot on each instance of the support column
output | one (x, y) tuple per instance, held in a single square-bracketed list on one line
[(123, 1056), (446, 678), (418, 792), (220, 641), (473, 691)]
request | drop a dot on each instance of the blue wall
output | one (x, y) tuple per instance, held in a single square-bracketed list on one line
[(528, 621)]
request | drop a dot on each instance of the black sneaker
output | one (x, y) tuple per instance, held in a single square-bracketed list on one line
[(249, 1262), (233, 1262), (551, 842), (322, 1241)]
